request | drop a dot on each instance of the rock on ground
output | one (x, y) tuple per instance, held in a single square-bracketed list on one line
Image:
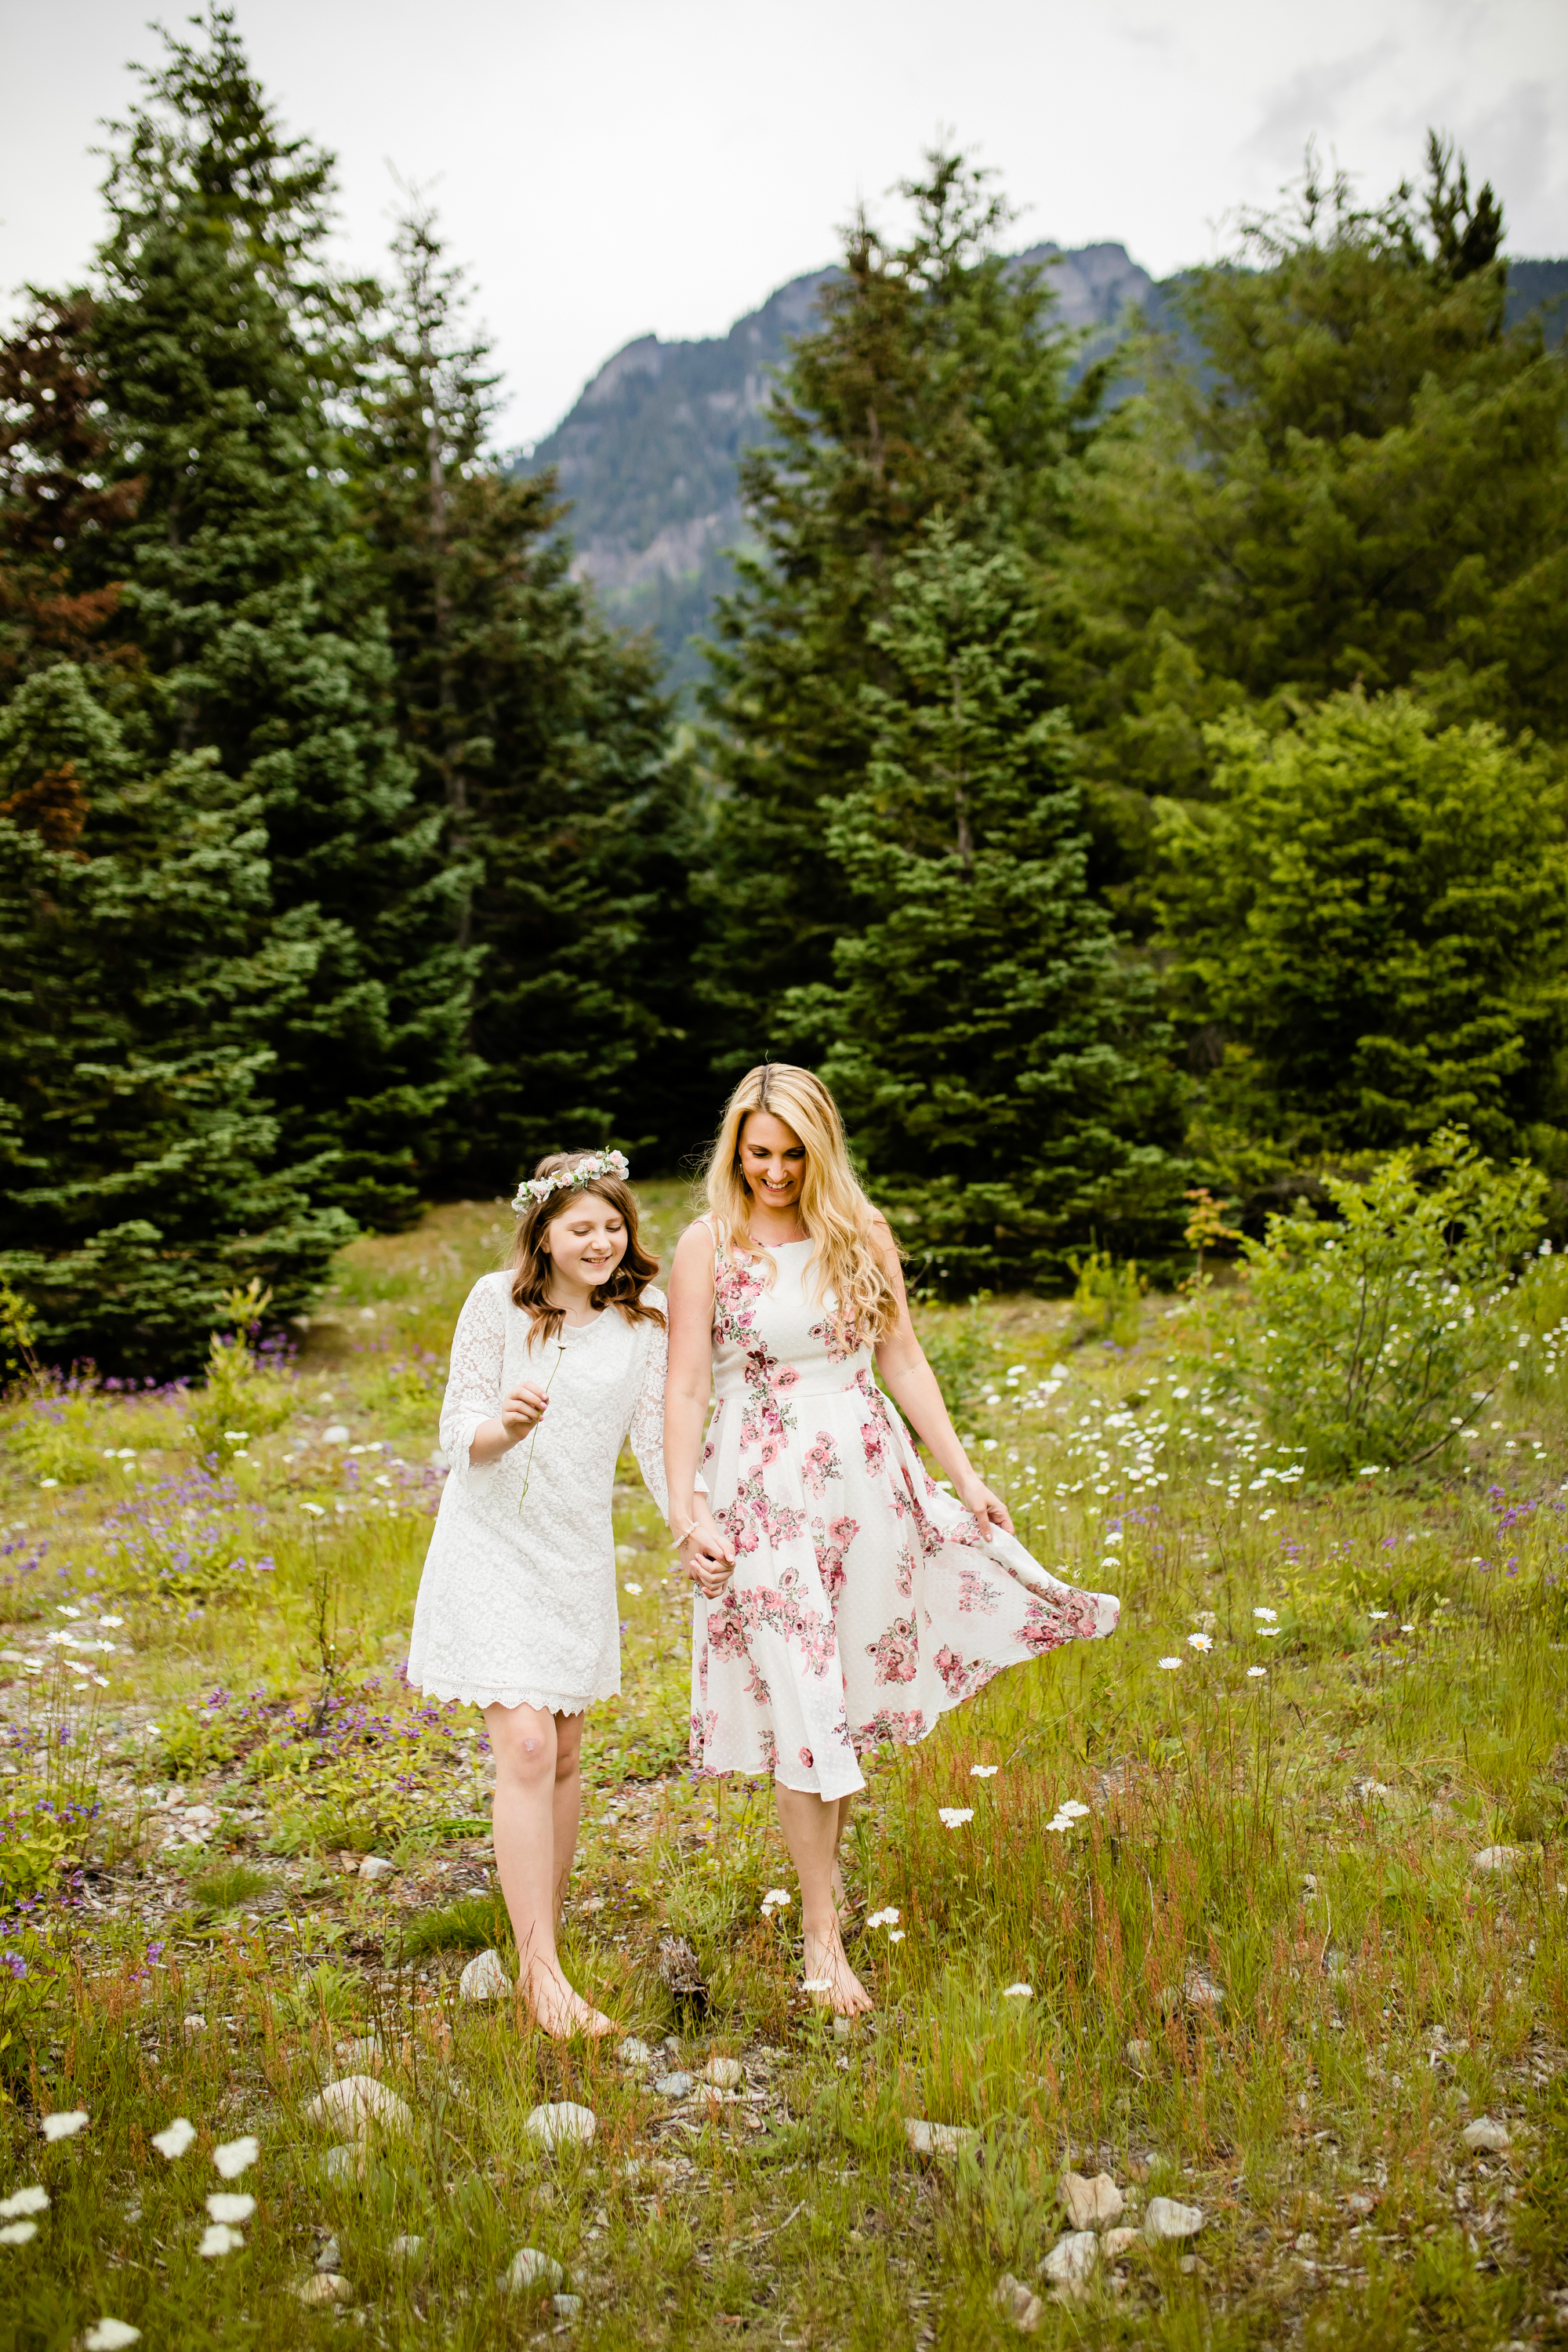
[(633, 2052), (485, 1978), (1501, 1859), (563, 2123), (724, 2074), (1486, 2137), (1165, 2217), (673, 2086), (1091, 2203), (358, 2101), (376, 1865), (529, 2268), (938, 2139), (1117, 2242), (324, 2287), (1071, 2259), (1017, 2305)]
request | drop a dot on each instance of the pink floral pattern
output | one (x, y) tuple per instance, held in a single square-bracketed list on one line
[(888, 1585)]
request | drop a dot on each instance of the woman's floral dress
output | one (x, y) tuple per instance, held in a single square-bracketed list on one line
[(865, 1600)]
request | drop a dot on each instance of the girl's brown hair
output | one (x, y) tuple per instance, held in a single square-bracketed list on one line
[(530, 1264)]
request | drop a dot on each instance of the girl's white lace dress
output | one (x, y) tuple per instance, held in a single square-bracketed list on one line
[(865, 1600), (518, 1603)]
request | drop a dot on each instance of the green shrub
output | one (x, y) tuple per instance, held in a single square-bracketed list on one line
[(1107, 1298), (1380, 1328)]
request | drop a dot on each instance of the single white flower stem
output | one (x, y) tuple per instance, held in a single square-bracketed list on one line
[(533, 1436)]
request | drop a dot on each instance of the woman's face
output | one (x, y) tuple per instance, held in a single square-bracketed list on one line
[(586, 1241), (773, 1160)]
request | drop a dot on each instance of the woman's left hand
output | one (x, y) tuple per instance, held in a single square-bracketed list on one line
[(989, 1511)]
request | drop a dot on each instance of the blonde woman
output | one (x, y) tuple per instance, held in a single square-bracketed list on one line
[(844, 1598)]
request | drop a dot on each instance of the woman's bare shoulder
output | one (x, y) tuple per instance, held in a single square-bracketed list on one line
[(696, 1243)]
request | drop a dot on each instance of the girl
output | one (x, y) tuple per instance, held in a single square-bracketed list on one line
[(555, 1360), (845, 1599)]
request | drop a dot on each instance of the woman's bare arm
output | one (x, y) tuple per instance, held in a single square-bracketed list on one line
[(903, 1371)]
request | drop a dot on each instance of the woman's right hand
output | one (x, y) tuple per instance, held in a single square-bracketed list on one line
[(522, 1409)]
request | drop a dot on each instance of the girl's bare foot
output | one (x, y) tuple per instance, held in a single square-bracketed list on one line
[(832, 1982), (559, 2012)]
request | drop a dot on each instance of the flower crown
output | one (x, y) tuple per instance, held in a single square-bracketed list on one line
[(603, 1163)]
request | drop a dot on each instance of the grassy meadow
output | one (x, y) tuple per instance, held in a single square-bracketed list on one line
[(1254, 1967)]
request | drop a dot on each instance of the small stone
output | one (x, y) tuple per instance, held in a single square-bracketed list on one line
[(633, 2052), (1306, 2243), (341, 2163), (566, 2306), (376, 1866), (673, 2086), (1359, 2202), (529, 2270), (364, 2051), (1138, 2054), (193, 2025), (358, 2101), (1117, 2242), (1190, 2265), (938, 2139), (561, 2124), (406, 2249), (1018, 2303), (1091, 2204), (329, 2259), (1166, 2218), (324, 2287), (843, 2027), (1070, 2260), (1486, 2137), (485, 1978), (724, 2074), (1199, 1990), (1498, 1859)]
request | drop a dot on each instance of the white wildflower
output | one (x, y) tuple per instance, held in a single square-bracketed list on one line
[(952, 1817), (16, 2234), (1267, 1615), (895, 1935), (1018, 1992), (237, 2155), (217, 2238), (984, 1771), (229, 2205), (110, 2335), (888, 1918), (1170, 1665), (175, 2138), (65, 2125), (1200, 1640), (35, 2199)]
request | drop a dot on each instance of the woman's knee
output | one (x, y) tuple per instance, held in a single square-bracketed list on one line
[(523, 1742)]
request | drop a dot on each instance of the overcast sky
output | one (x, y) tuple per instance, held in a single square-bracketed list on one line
[(611, 167)]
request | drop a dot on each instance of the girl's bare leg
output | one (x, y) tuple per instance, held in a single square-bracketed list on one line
[(535, 1789), (567, 1808), (840, 1892), (812, 1826)]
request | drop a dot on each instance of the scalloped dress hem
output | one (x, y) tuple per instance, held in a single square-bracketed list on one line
[(550, 1702)]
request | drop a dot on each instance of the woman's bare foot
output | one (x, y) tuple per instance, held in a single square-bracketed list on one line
[(831, 1981), (559, 2012)]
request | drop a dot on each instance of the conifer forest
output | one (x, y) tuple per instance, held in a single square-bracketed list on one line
[(1135, 778)]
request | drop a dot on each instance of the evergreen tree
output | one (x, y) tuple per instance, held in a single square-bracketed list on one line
[(934, 382), (1369, 934), (140, 1176), (1365, 477), (544, 739), (218, 343), (997, 1062)]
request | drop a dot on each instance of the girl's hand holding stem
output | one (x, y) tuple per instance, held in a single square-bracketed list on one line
[(522, 1410)]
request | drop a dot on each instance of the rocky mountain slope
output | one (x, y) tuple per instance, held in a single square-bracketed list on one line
[(647, 456)]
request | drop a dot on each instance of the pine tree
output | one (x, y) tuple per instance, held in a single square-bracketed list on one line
[(998, 1062), (1368, 929), (934, 382), (140, 1176), (218, 342), (1364, 478), (545, 741)]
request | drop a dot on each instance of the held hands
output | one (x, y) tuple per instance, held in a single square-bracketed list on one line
[(707, 1554), (522, 1409), (989, 1511)]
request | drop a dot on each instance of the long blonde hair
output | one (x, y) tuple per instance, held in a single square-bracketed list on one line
[(834, 1209)]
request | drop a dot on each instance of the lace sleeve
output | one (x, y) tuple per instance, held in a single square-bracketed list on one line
[(473, 1383), (646, 1430)]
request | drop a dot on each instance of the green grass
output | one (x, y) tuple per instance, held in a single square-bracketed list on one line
[(1303, 1837)]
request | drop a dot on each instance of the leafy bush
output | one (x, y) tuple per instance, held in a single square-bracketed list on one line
[(1382, 1327), (243, 1398), (1109, 1298)]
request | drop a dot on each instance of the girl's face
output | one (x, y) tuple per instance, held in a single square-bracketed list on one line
[(586, 1241), (773, 1160)]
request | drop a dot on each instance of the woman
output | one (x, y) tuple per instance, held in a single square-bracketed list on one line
[(555, 1361), (845, 1599)]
